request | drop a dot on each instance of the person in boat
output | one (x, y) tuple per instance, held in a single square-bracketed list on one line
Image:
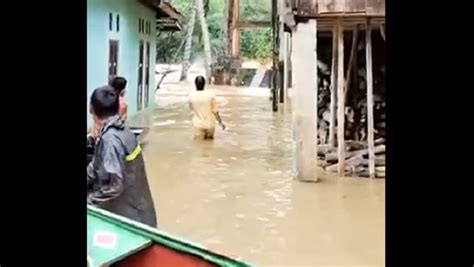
[(116, 177), (119, 84), (203, 104)]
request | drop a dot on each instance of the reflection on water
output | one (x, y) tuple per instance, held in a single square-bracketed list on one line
[(236, 194)]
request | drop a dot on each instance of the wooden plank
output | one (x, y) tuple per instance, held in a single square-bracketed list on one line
[(332, 105), (339, 6), (370, 100), (331, 6), (326, 24), (326, 6), (375, 7), (352, 6), (306, 7), (340, 100)]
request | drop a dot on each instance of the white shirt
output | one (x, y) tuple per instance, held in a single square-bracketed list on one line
[(203, 104)]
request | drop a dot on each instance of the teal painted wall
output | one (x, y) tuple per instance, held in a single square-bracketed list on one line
[(98, 36)]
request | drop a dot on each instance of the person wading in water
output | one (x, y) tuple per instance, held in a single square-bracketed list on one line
[(203, 104)]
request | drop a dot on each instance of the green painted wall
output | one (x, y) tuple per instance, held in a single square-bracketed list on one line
[(98, 36)]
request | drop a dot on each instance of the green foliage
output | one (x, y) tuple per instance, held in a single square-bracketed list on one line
[(254, 43)]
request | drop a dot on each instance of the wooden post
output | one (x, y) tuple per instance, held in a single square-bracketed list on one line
[(351, 60), (235, 31), (333, 88), (382, 31), (286, 39), (305, 97), (340, 99), (370, 99), (275, 58)]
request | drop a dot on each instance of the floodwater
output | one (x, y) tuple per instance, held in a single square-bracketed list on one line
[(236, 194)]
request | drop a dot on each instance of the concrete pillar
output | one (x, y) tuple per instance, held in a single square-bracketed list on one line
[(304, 63)]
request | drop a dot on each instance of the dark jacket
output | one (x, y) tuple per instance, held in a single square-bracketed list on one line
[(116, 176)]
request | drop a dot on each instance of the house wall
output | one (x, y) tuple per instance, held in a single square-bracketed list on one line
[(128, 36)]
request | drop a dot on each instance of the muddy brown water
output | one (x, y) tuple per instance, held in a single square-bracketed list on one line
[(236, 194)]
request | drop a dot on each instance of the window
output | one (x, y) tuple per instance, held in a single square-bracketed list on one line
[(113, 57), (140, 76), (110, 21), (147, 73), (117, 23), (139, 25)]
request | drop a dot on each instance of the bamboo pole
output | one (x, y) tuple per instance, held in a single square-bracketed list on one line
[(340, 99), (332, 105), (370, 100)]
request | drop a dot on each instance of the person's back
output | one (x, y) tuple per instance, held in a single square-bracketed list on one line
[(203, 104), (116, 176)]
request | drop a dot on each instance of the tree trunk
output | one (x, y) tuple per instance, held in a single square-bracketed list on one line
[(189, 43), (225, 28), (205, 36)]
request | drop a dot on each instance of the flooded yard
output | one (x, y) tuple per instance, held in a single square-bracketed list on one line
[(236, 194)]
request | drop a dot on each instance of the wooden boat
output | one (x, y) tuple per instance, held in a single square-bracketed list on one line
[(140, 132), (113, 240)]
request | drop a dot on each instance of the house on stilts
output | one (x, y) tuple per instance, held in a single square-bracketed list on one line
[(343, 106), (121, 40)]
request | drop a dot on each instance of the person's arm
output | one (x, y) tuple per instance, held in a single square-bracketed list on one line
[(124, 111), (216, 113), (95, 129), (108, 174)]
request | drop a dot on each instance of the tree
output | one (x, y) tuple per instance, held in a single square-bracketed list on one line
[(189, 42), (212, 39), (200, 8)]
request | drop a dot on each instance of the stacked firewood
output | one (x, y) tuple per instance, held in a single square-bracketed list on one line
[(355, 125), (356, 158)]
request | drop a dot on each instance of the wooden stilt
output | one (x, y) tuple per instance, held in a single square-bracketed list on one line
[(382, 31), (333, 88), (370, 99), (351, 60), (355, 82), (286, 40), (235, 31), (340, 99)]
